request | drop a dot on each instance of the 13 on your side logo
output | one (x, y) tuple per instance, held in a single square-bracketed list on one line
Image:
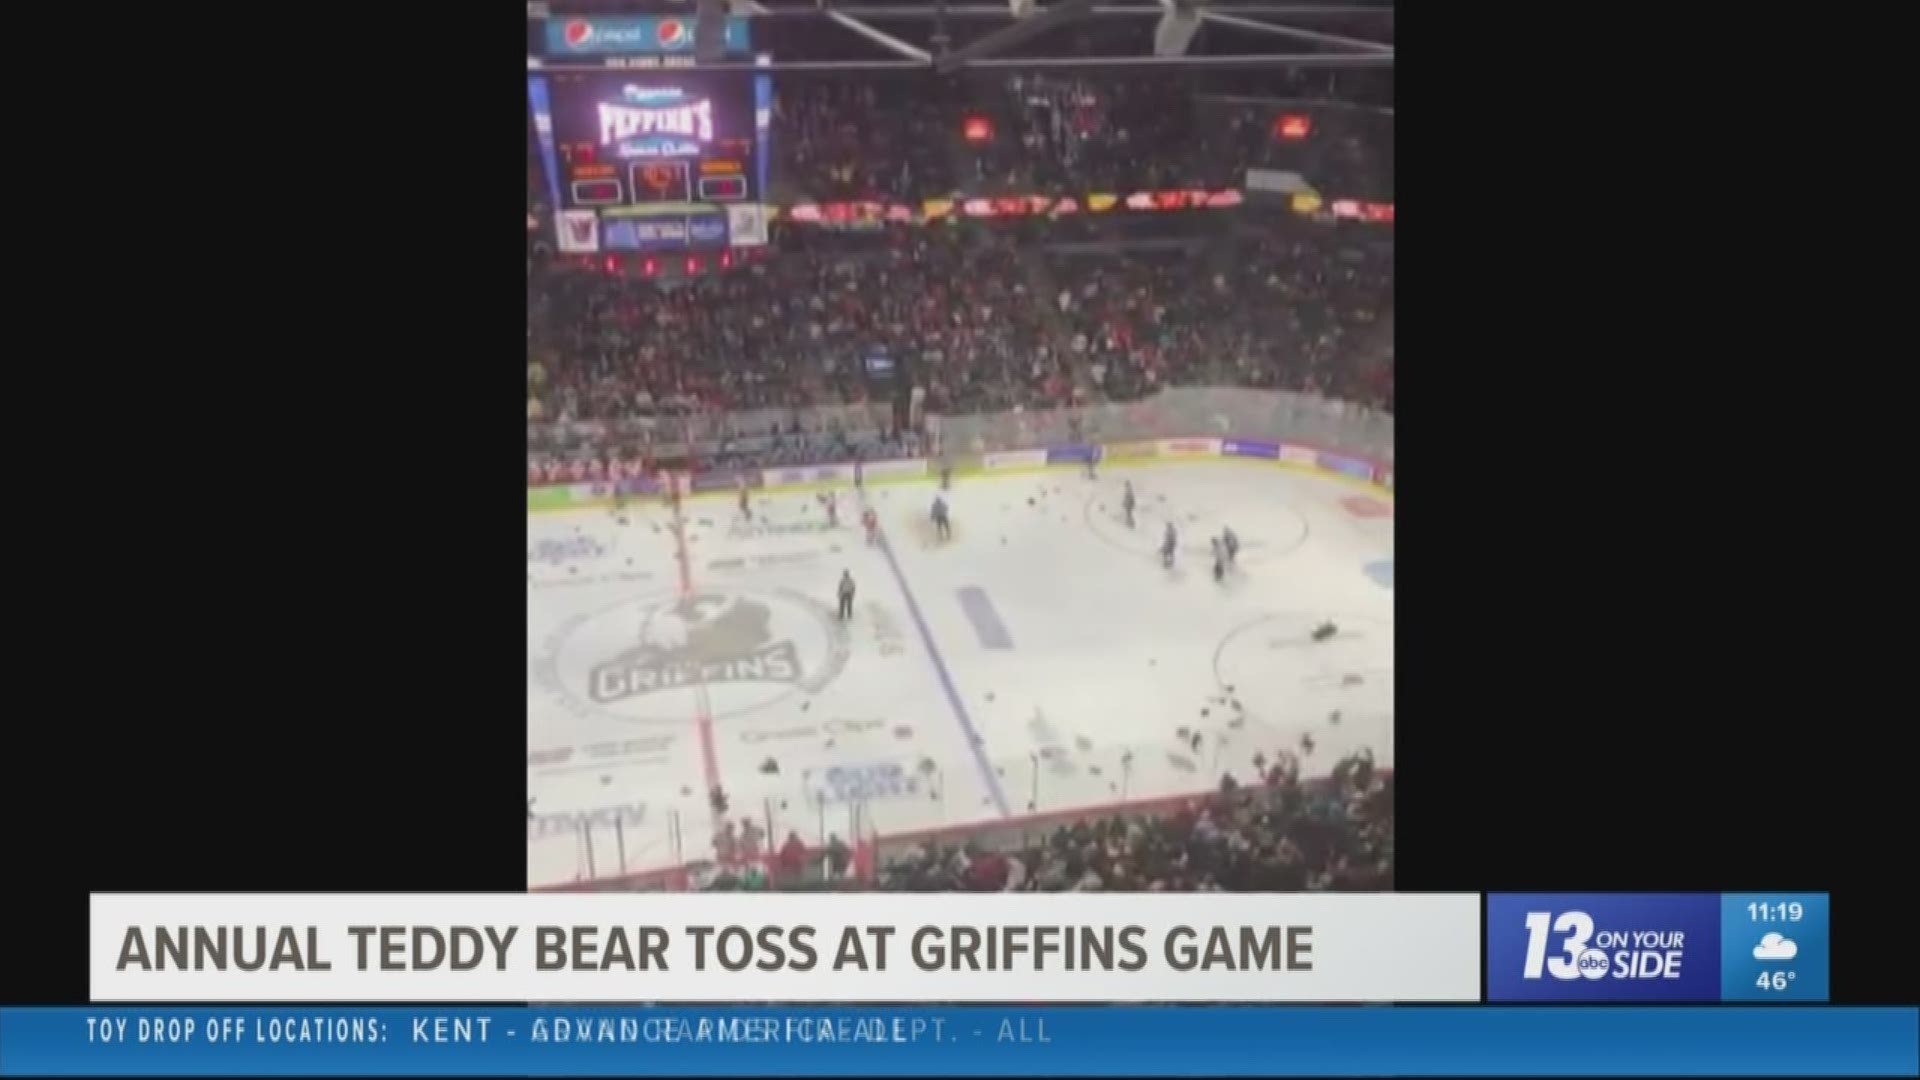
[(1603, 946), (1586, 952)]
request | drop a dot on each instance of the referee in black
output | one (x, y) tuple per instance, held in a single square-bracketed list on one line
[(846, 595)]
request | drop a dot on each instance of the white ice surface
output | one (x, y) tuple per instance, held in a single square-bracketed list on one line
[(905, 711)]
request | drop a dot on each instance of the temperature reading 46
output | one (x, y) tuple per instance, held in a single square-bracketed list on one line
[(1774, 980)]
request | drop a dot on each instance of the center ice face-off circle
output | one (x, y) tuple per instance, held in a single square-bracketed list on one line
[(648, 659), (1266, 531)]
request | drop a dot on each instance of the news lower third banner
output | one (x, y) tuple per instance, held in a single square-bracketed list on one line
[(733, 947), (1221, 1040), (1662, 948)]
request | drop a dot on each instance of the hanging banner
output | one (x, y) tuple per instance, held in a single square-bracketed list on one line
[(747, 224), (579, 231)]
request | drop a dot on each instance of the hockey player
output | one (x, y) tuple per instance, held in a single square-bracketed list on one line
[(1231, 543), (1126, 503), (1167, 545), (871, 522), (1219, 560), (1093, 459), (745, 510), (832, 502), (946, 475), (619, 495), (940, 524), (846, 595)]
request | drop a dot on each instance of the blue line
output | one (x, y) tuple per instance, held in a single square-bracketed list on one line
[(974, 742)]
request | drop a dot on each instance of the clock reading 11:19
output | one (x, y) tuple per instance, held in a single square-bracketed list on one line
[(1773, 946), (1785, 911)]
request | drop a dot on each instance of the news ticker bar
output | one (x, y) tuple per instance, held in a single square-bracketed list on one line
[(977, 1041), (1310, 948)]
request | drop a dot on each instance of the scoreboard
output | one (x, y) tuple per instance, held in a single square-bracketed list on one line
[(653, 160)]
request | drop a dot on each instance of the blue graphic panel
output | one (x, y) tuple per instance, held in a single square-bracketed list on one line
[(1354, 467), (1603, 947), (1773, 947), (707, 229), (1248, 448)]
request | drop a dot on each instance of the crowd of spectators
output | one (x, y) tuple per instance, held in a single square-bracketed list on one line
[(844, 140), (1309, 311), (1050, 133), (983, 323), (990, 318), (1277, 834), (791, 329), (1074, 135)]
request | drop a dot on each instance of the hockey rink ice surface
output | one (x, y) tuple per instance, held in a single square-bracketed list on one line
[(1041, 660)]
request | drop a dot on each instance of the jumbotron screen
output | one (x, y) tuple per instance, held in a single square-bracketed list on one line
[(656, 156)]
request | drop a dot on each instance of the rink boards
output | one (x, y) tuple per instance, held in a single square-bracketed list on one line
[(1351, 468)]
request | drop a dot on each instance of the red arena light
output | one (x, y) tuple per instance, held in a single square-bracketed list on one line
[(649, 268), (977, 129), (693, 265), (1293, 127)]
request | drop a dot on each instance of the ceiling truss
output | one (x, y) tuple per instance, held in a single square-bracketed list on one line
[(985, 51)]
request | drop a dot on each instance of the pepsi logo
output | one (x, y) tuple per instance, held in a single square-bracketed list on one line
[(578, 33), (672, 32)]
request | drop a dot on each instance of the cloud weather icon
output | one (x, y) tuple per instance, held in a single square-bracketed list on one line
[(1775, 947)]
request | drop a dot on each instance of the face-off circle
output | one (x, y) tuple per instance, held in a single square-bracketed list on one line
[(1287, 678), (647, 660), (1267, 531)]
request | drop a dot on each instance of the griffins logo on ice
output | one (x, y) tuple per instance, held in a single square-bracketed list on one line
[(706, 638), (745, 651), (656, 122), (1603, 947)]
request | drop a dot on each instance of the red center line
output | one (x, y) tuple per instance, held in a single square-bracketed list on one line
[(703, 705)]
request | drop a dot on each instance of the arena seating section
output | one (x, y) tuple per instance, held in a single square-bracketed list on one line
[(1030, 314)]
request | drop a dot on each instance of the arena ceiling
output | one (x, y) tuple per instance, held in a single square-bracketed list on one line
[(954, 37)]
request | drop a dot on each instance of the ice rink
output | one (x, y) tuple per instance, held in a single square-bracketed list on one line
[(1040, 660)]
